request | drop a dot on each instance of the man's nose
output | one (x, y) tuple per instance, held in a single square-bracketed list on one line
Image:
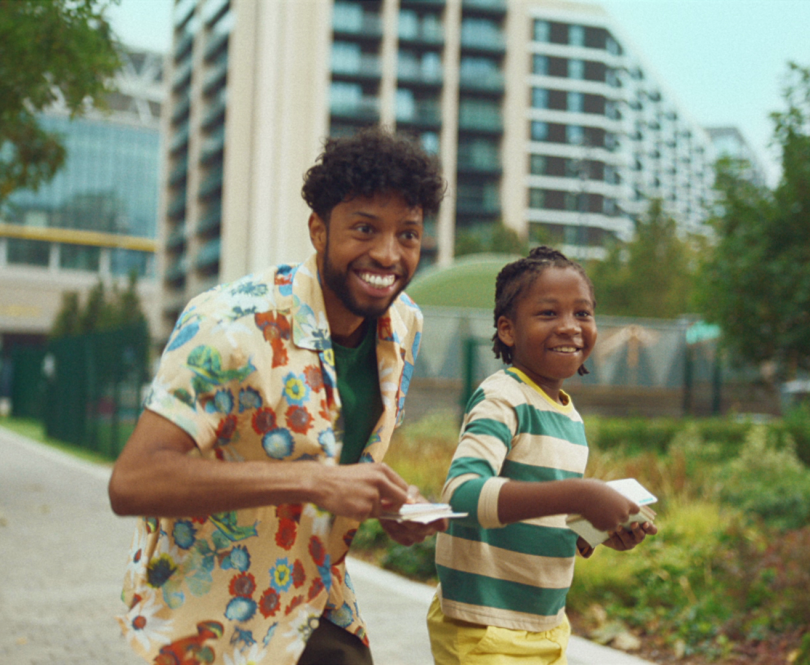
[(386, 250)]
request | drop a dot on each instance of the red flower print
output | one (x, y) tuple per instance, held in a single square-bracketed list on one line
[(317, 551), (315, 588), (264, 420), (137, 598), (276, 329), (348, 537), (269, 603), (283, 278), (289, 511), (285, 536), (243, 584), (295, 602), (323, 412), (225, 430), (298, 574), (298, 419), (313, 377), (384, 329)]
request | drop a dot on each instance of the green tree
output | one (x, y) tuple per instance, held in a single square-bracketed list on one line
[(101, 311), (651, 276), (498, 239), (756, 282), (49, 50)]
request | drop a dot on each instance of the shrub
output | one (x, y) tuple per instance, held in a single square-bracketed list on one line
[(416, 561)]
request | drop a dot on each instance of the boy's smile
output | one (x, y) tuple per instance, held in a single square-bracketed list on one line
[(553, 331)]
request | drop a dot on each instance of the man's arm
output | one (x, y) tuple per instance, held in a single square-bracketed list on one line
[(155, 475)]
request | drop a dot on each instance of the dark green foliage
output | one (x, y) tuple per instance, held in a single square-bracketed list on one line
[(370, 535), (651, 276), (50, 49), (756, 282), (498, 239), (416, 561)]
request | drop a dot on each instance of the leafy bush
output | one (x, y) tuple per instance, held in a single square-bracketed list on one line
[(416, 561), (769, 483), (370, 536)]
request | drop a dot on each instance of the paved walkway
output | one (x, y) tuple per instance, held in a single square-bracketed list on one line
[(62, 558)]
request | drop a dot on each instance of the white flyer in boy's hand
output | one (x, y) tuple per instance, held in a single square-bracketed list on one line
[(633, 490), (421, 512)]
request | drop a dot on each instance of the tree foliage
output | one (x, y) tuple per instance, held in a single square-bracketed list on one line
[(50, 50), (756, 282), (500, 240), (101, 311), (651, 276)]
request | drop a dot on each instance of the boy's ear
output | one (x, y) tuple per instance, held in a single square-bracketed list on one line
[(317, 232), (506, 332)]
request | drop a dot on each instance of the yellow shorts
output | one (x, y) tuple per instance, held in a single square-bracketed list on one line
[(455, 642)]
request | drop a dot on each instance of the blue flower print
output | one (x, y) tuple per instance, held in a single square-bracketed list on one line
[(342, 617), (249, 399), (222, 402), (278, 443), (240, 608), (281, 575), (327, 441), (182, 334), (325, 571), (244, 637), (237, 558), (269, 636), (296, 390), (283, 282), (184, 534)]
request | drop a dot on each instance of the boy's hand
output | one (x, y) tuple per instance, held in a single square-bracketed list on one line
[(626, 539), (604, 507), (410, 533)]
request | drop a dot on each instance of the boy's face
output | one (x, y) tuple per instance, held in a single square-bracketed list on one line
[(367, 253), (554, 330)]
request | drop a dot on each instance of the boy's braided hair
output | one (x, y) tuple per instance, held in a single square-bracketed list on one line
[(514, 278)]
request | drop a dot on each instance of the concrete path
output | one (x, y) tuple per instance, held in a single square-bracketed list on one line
[(62, 559)]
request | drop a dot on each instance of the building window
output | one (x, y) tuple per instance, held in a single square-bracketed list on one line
[(542, 30), (540, 64), (613, 46), (538, 165), (576, 68), (539, 130), (539, 98), (21, 251), (430, 142), (79, 257), (574, 134), (575, 102), (576, 35), (537, 198)]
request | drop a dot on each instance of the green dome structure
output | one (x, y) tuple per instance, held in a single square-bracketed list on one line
[(467, 282)]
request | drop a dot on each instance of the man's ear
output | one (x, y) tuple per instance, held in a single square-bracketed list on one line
[(506, 331), (317, 232)]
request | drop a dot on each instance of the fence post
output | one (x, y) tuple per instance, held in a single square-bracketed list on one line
[(468, 364)]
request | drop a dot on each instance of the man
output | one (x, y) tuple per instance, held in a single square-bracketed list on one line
[(260, 447)]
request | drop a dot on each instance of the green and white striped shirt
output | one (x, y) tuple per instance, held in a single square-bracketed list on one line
[(517, 575)]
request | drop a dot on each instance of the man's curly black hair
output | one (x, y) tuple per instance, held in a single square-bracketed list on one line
[(373, 161)]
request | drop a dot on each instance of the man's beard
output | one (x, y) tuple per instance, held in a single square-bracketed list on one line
[(338, 283)]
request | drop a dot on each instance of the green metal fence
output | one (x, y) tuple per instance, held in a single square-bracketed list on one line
[(85, 388)]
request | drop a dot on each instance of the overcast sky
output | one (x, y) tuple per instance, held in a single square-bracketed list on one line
[(723, 61)]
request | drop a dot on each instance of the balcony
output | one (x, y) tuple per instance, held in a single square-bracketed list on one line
[(367, 67), (216, 75), (208, 255), (427, 35), (177, 269), (182, 76), (357, 24), (177, 238), (424, 114), (211, 220), (181, 110), (212, 183), (179, 140), (486, 81), (179, 172), (494, 8), (216, 110), (177, 206), (213, 146), (412, 73), (480, 120), (217, 42), (483, 42), (366, 109)]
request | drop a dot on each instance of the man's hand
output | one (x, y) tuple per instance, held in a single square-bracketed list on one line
[(358, 491), (626, 539)]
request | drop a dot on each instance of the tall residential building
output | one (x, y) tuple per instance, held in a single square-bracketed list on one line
[(97, 218), (540, 113), (729, 142)]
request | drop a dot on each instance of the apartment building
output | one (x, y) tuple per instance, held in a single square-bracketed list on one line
[(97, 218), (542, 116)]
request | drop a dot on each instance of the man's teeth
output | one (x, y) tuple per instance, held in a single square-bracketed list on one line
[(378, 281)]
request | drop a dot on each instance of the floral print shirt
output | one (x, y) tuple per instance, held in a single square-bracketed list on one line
[(249, 373)]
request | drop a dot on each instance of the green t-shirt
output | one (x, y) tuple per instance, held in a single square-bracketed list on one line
[(359, 387)]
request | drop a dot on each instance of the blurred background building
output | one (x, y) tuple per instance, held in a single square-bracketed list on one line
[(729, 142), (97, 219), (543, 118)]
